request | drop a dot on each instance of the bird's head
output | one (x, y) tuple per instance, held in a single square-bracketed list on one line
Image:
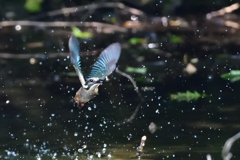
[(91, 81)]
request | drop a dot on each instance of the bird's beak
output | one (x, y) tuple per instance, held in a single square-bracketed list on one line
[(93, 86), (79, 104)]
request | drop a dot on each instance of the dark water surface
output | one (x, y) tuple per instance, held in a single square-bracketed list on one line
[(40, 121)]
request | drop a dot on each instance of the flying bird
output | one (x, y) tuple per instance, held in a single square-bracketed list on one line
[(103, 67)]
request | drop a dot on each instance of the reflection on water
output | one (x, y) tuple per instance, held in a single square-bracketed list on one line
[(40, 121)]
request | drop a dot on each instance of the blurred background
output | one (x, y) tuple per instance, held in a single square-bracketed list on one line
[(182, 54)]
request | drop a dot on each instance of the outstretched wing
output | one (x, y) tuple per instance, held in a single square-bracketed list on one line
[(74, 49), (106, 62)]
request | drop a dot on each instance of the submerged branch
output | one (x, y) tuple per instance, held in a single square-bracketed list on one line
[(42, 55), (226, 154), (223, 11), (130, 119), (97, 25), (66, 11), (139, 94), (29, 55), (133, 82)]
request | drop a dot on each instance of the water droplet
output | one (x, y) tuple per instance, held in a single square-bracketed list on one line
[(75, 134)]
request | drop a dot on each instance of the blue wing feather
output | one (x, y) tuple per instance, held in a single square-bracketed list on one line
[(74, 52), (106, 62), (74, 48)]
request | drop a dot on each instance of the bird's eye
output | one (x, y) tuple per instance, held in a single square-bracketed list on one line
[(91, 80)]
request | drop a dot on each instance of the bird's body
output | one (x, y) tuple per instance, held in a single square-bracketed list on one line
[(83, 95), (104, 66)]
